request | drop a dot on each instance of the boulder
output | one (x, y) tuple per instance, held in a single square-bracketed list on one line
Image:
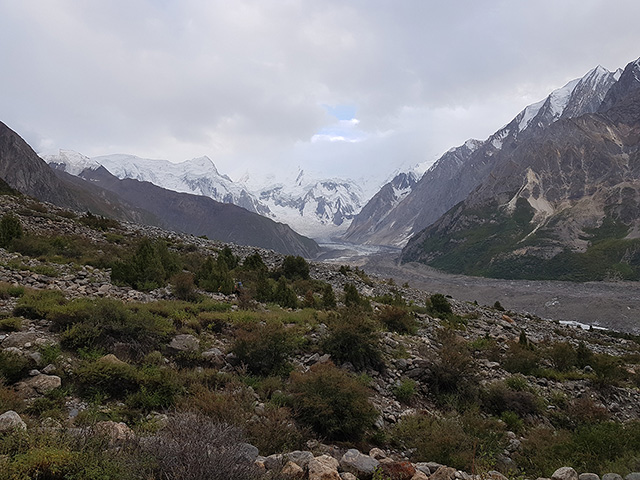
[(348, 476), (10, 420), (362, 466), (292, 470), (444, 473), (323, 467), (420, 476), (611, 476), (565, 473), (273, 462), (588, 476), (248, 452), (45, 383), (377, 453), (423, 467), (300, 458), (495, 475), (116, 432), (185, 342), (398, 470), (633, 476)]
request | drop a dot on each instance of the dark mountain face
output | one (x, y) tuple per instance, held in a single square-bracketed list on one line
[(201, 215), (102, 193), (564, 203), (459, 171), (23, 170)]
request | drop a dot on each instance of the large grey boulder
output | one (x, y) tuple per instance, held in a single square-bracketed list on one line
[(632, 476), (361, 465), (10, 420), (565, 473), (611, 476)]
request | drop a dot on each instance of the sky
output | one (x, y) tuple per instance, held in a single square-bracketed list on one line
[(353, 89)]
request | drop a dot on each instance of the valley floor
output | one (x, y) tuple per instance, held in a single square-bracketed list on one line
[(612, 305)]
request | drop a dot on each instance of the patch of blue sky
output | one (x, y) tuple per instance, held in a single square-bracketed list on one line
[(341, 112)]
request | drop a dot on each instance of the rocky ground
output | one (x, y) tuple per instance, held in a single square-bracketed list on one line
[(407, 357)]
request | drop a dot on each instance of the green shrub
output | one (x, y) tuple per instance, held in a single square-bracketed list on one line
[(497, 398), (10, 324), (214, 276), (562, 355), (352, 338), (451, 371), (439, 306), (468, 442), (254, 262), (13, 366), (521, 359), (284, 295), (295, 267), (98, 222), (150, 267), (328, 297), (398, 319), (36, 304), (113, 379), (405, 391), (351, 296), (332, 403), (184, 286), (10, 228), (264, 348)]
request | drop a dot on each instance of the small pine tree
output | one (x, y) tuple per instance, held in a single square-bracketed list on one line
[(10, 228), (328, 297), (351, 296), (284, 295)]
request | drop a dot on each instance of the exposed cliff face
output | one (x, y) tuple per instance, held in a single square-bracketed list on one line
[(459, 171), (24, 171), (565, 203)]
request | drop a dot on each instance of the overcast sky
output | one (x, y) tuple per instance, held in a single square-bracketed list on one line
[(344, 88)]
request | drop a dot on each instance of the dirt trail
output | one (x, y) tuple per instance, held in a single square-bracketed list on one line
[(613, 305)]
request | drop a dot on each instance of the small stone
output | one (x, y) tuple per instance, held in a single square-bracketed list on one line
[(377, 453), (423, 467), (348, 476), (611, 476), (420, 476), (301, 458)]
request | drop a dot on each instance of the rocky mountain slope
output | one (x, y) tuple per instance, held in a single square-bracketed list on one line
[(315, 208), (562, 204), (129, 384), (460, 170), (103, 194)]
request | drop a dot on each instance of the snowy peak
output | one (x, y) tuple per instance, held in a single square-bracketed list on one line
[(73, 163)]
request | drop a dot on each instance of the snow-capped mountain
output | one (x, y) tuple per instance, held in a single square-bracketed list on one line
[(460, 170), (318, 208)]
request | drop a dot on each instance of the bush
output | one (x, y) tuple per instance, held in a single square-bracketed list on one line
[(10, 324), (439, 306), (352, 338), (214, 276), (405, 391), (264, 348), (37, 303), (521, 358), (451, 371), (113, 379), (13, 366), (328, 297), (332, 403), (284, 295), (295, 268), (497, 398), (468, 443), (398, 319), (351, 296), (195, 447), (98, 222), (10, 228), (562, 356), (150, 266), (184, 286)]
